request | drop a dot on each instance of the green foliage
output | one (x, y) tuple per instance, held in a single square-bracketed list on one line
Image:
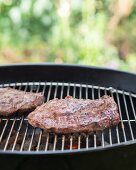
[(65, 31)]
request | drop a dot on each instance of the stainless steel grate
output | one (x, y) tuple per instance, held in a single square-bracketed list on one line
[(16, 135)]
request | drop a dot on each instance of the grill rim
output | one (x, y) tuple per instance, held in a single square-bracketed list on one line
[(66, 65), (94, 75)]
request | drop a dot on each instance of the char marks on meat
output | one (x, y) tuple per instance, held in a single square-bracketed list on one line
[(12, 101), (72, 115)]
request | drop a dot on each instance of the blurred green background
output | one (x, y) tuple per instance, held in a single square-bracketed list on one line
[(92, 32)]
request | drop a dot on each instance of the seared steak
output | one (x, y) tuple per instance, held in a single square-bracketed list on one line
[(12, 100), (71, 115)]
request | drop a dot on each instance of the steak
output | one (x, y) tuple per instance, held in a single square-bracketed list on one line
[(12, 100), (72, 115)]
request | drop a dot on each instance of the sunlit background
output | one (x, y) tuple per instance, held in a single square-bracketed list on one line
[(89, 32)]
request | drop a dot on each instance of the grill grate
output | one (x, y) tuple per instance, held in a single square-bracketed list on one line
[(16, 135)]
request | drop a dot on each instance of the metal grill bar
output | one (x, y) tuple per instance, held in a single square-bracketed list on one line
[(55, 141), (49, 92), (30, 145), (94, 136), (22, 118), (132, 136), (5, 147), (23, 140), (55, 138), (36, 139), (74, 91), (4, 129), (119, 106), (71, 142), (48, 98), (87, 137), (71, 84), (134, 113), (68, 89), (39, 141), (62, 90), (17, 134), (87, 144), (47, 142), (93, 92), (63, 142), (79, 137), (79, 141), (99, 95), (94, 140), (117, 128), (117, 131), (71, 137), (63, 137), (33, 131), (44, 88), (41, 132)]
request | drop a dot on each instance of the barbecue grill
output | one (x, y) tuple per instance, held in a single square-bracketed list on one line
[(24, 142)]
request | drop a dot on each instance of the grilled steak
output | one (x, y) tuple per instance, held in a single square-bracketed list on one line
[(12, 100), (71, 115)]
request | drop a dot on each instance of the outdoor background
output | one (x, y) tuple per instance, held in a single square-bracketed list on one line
[(90, 32)]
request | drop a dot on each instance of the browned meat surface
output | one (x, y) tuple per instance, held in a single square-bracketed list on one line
[(71, 115), (12, 101)]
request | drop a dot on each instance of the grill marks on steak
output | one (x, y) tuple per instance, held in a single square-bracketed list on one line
[(12, 100), (71, 115)]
